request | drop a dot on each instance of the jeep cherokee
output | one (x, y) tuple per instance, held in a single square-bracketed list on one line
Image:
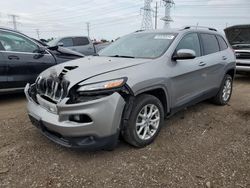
[(131, 87)]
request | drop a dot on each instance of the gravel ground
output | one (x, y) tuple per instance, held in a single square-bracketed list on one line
[(202, 146)]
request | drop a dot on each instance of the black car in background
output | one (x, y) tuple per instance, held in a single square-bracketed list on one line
[(23, 58)]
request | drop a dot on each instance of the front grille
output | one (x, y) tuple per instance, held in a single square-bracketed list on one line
[(243, 55), (243, 64), (53, 88)]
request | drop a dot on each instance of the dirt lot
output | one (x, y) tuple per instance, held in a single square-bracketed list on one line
[(203, 146)]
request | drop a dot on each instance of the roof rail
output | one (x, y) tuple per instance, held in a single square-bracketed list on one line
[(199, 27)]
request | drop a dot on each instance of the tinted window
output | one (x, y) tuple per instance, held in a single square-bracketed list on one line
[(67, 42), (190, 41), (210, 44), (222, 42), (80, 41), (16, 43)]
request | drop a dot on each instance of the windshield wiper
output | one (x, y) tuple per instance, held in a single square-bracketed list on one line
[(122, 56)]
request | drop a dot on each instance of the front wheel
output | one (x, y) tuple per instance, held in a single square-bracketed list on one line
[(145, 121), (225, 92)]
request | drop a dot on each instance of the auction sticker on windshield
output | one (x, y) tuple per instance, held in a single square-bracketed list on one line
[(164, 37)]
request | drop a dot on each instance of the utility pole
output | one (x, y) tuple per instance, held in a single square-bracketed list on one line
[(147, 22), (38, 33), (156, 14), (14, 20), (88, 28)]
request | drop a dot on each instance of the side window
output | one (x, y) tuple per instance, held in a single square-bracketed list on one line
[(80, 41), (67, 42), (222, 43), (190, 41), (16, 43), (210, 43)]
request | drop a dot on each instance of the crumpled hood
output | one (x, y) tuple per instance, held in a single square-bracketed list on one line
[(84, 68), (239, 34)]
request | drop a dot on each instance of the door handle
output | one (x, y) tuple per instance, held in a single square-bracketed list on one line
[(224, 58), (202, 64), (13, 57)]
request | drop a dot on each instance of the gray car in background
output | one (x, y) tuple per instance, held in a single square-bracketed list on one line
[(131, 87), (79, 44)]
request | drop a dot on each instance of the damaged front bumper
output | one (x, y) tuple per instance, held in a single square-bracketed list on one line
[(90, 125)]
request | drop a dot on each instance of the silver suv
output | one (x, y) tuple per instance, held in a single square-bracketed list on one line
[(131, 87)]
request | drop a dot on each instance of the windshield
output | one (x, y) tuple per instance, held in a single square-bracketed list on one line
[(140, 45)]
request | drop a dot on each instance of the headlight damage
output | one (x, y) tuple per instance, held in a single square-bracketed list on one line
[(54, 90), (88, 92)]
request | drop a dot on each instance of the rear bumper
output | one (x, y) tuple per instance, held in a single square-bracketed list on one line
[(53, 121)]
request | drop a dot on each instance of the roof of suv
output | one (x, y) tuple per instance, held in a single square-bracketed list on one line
[(184, 30)]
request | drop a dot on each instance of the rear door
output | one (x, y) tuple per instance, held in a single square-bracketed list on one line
[(23, 61), (188, 82), (83, 45), (214, 60)]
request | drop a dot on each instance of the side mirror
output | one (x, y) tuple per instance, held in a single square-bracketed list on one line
[(41, 49), (183, 54), (60, 44)]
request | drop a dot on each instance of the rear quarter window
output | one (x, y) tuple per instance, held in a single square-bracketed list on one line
[(222, 43), (80, 41), (210, 43)]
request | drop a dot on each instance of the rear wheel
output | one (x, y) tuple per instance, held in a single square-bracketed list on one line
[(225, 92), (145, 122)]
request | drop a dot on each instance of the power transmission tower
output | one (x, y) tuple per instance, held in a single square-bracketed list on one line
[(88, 28), (14, 20), (167, 18), (147, 17)]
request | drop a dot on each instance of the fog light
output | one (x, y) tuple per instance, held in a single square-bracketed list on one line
[(80, 118)]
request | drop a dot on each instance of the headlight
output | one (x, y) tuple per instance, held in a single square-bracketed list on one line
[(106, 85)]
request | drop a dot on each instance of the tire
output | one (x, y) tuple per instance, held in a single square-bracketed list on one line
[(139, 123), (220, 99)]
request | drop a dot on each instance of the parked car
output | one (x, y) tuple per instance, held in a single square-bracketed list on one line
[(130, 87), (239, 38), (22, 59), (79, 44), (101, 46)]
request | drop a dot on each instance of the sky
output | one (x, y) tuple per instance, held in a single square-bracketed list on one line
[(110, 19)]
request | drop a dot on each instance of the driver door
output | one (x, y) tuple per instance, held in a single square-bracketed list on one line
[(188, 76), (23, 61)]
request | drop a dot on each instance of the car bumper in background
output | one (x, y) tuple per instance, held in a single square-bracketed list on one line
[(243, 65), (101, 130)]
